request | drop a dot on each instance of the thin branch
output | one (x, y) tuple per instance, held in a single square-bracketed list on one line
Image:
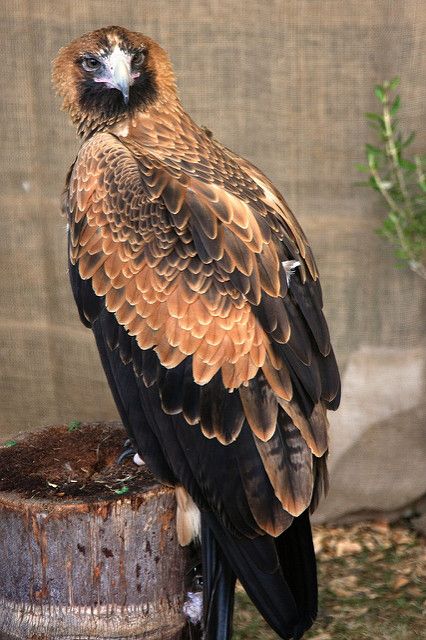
[(393, 155), (413, 264), (403, 226)]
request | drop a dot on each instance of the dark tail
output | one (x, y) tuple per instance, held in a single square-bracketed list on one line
[(279, 575), (218, 588)]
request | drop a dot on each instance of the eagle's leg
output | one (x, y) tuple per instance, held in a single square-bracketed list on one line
[(130, 451), (193, 605)]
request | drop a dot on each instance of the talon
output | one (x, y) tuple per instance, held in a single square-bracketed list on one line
[(138, 460), (129, 452)]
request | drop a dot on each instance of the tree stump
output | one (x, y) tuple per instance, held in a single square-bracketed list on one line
[(88, 548)]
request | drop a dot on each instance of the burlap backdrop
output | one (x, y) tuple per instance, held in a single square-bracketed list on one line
[(284, 83)]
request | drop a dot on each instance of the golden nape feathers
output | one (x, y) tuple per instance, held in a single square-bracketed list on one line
[(202, 291)]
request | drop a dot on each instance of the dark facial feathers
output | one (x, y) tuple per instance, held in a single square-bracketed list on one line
[(95, 104), (109, 103)]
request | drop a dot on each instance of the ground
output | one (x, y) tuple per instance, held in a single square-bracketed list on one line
[(372, 585)]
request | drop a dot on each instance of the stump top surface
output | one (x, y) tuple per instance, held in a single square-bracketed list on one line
[(71, 462)]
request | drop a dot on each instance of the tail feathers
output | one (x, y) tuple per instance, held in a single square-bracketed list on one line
[(278, 574), (298, 565), (218, 588)]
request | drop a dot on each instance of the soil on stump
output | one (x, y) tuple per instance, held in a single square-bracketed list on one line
[(78, 460)]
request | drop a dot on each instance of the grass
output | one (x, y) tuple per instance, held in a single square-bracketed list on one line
[(372, 581)]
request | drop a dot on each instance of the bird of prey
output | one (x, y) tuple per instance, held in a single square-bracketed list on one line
[(203, 295)]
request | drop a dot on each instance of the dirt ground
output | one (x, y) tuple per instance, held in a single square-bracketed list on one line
[(372, 581)]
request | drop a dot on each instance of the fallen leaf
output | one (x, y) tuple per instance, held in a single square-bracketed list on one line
[(347, 548), (399, 582), (344, 587), (402, 537), (381, 526), (361, 611)]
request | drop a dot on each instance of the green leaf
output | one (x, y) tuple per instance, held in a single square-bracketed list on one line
[(398, 142), (409, 140), (380, 93), (372, 160), (394, 83), (122, 490), (10, 443), (395, 105), (73, 425), (374, 116), (381, 231), (407, 164), (372, 183), (363, 168), (370, 148), (388, 225)]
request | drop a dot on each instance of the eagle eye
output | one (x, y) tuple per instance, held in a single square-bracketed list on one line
[(138, 58), (90, 64)]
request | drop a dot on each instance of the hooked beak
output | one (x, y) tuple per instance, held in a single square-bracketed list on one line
[(121, 77), (117, 73)]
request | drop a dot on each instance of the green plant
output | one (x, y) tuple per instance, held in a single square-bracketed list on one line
[(400, 181), (73, 425)]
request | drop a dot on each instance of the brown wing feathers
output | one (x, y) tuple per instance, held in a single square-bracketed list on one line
[(288, 462), (188, 256)]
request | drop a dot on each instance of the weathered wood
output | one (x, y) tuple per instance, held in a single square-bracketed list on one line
[(106, 567)]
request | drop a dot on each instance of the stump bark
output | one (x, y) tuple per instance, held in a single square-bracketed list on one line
[(88, 548)]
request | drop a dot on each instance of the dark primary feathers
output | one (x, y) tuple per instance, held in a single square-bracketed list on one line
[(218, 357)]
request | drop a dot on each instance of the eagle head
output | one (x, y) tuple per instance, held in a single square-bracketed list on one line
[(109, 74)]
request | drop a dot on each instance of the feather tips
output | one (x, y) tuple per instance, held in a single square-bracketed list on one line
[(288, 463), (189, 262)]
